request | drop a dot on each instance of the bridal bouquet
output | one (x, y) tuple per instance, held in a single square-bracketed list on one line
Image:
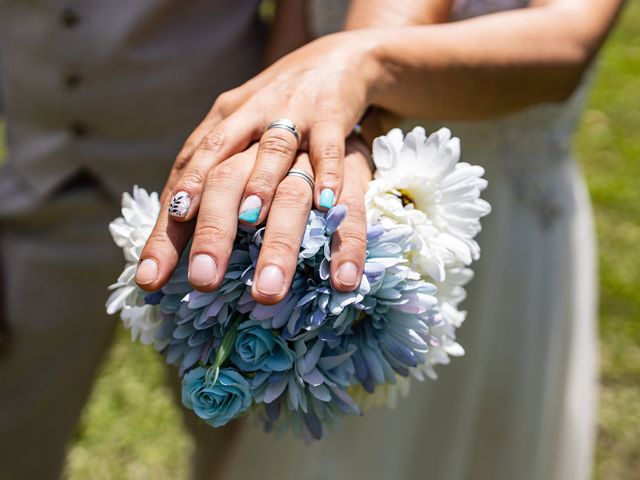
[(319, 355)]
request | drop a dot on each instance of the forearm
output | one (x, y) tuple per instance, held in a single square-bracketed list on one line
[(490, 65), (367, 14)]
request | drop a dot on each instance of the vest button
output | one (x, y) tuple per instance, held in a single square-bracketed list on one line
[(69, 17), (79, 129), (72, 80)]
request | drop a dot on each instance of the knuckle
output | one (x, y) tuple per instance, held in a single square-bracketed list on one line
[(224, 173), (353, 238), (330, 153), (190, 145), (223, 102), (193, 176), (211, 233), (356, 211), (278, 145), (223, 99), (212, 141), (292, 190), (330, 165), (262, 183), (156, 241), (331, 176), (281, 243), (182, 159)]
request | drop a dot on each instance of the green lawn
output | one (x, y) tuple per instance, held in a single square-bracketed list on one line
[(609, 145), (131, 427)]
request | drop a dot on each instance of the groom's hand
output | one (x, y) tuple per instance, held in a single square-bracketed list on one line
[(215, 231), (286, 226)]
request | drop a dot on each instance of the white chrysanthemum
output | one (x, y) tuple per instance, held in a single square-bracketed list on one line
[(451, 293), (384, 395), (420, 182), (139, 214), (125, 293), (144, 322), (130, 232)]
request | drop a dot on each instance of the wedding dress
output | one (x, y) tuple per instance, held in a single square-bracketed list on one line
[(520, 404)]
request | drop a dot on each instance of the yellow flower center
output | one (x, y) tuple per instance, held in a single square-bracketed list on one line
[(406, 198)]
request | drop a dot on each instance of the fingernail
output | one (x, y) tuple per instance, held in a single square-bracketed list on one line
[(147, 271), (179, 205), (270, 280), (203, 269), (327, 198), (348, 274), (250, 209)]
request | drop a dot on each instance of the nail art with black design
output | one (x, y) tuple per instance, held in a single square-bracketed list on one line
[(179, 205)]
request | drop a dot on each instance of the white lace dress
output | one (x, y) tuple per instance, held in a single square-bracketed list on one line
[(520, 405)]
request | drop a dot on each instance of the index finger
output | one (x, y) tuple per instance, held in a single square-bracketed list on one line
[(163, 250)]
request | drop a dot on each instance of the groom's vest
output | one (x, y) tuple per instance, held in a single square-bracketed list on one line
[(116, 86)]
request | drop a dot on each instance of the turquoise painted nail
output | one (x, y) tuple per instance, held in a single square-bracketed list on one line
[(250, 209), (250, 216), (326, 198)]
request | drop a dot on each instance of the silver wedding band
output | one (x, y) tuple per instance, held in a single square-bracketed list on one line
[(285, 124), (296, 172)]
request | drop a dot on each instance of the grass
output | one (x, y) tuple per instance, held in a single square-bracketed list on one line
[(131, 427), (609, 147)]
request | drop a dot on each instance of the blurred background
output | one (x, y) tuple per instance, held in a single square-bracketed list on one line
[(131, 427)]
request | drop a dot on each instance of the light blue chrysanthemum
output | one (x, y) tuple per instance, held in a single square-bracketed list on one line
[(304, 353)]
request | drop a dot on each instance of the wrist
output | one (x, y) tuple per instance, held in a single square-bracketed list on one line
[(370, 60), (379, 62)]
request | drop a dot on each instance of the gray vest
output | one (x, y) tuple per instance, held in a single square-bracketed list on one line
[(116, 86)]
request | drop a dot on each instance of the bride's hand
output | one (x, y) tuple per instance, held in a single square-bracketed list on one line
[(215, 230)]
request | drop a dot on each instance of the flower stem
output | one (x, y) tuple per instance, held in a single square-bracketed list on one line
[(223, 352)]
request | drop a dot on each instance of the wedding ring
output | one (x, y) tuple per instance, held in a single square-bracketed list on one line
[(297, 172), (285, 124)]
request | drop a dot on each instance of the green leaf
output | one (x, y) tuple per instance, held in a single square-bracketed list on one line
[(224, 350)]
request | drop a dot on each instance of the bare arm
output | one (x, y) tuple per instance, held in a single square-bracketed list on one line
[(290, 28), (383, 13), (365, 14), (492, 64)]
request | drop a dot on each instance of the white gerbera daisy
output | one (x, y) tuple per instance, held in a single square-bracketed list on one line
[(420, 182)]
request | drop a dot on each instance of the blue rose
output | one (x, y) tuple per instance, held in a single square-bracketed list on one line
[(216, 403), (257, 348)]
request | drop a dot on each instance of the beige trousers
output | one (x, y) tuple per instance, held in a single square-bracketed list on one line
[(57, 260)]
